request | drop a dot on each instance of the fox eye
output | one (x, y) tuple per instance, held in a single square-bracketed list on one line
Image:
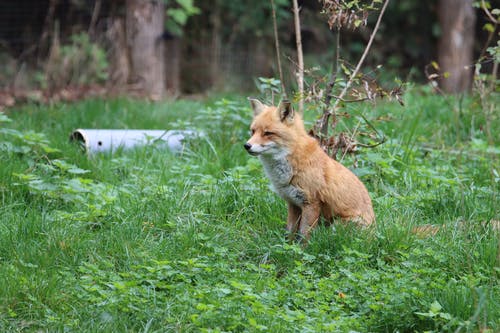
[(268, 133), (252, 131)]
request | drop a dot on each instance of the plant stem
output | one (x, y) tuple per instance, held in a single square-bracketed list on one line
[(300, 57), (331, 84), (365, 53), (95, 16), (277, 45), (323, 122)]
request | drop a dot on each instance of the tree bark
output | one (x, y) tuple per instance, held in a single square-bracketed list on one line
[(455, 50), (173, 66), (119, 70), (144, 23), (216, 46)]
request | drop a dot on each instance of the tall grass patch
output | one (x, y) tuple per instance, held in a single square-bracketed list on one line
[(150, 240)]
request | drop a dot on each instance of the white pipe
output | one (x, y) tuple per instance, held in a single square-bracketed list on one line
[(101, 140)]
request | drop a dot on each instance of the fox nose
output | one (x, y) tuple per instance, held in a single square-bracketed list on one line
[(247, 146)]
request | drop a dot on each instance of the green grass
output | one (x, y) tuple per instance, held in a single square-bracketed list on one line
[(151, 241)]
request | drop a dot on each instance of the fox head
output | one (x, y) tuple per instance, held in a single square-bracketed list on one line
[(274, 129)]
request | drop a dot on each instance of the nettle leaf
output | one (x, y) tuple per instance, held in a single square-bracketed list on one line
[(435, 312), (41, 186), (76, 186), (9, 147), (445, 316), (69, 168), (25, 177), (49, 150), (11, 132), (425, 314), (62, 165), (78, 171), (35, 137)]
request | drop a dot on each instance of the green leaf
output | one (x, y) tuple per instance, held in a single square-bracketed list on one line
[(178, 15), (445, 315), (49, 150), (25, 177), (435, 307), (489, 27), (77, 171), (425, 314), (189, 7)]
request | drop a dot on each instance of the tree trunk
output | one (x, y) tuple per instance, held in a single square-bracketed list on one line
[(173, 66), (119, 60), (216, 46), (455, 49), (145, 20)]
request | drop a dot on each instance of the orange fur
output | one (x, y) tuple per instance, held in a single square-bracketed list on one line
[(310, 181)]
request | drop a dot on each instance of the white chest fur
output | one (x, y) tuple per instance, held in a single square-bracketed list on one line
[(279, 171)]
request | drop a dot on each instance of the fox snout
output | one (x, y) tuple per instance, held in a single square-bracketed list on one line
[(248, 147)]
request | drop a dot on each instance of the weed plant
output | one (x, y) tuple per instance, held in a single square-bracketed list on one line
[(147, 240)]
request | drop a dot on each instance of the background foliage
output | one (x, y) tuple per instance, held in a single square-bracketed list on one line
[(226, 43)]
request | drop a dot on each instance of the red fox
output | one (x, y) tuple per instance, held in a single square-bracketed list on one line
[(310, 181)]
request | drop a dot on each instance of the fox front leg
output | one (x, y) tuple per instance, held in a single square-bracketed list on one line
[(293, 220), (309, 220)]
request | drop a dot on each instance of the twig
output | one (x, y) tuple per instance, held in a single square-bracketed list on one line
[(277, 45), (350, 100), (488, 13), (351, 140), (300, 57), (323, 122), (373, 145), (365, 53), (488, 41), (491, 33), (335, 66), (47, 27), (95, 16), (494, 73)]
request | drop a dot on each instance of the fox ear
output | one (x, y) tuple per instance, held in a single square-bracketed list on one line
[(286, 111), (257, 106)]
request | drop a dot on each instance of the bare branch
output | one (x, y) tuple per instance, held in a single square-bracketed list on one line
[(322, 123), (350, 100), (95, 16), (300, 57), (365, 53), (335, 66), (277, 45), (488, 13)]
